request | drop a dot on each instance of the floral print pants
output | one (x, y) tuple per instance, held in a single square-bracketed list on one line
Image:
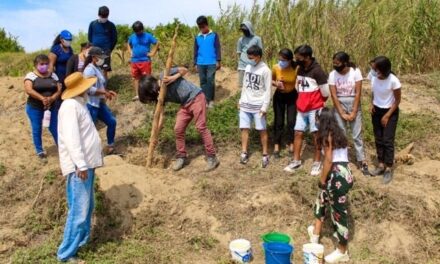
[(339, 182)]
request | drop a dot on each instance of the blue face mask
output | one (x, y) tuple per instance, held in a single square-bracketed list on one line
[(252, 62), (373, 73), (283, 64)]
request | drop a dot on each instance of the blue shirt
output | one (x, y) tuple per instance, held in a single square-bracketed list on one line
[(103, 35), (181, 91), (140, 46), (93, 71), (207, 49), (61, 62)]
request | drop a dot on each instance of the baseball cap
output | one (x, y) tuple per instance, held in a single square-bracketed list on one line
[(97, 51), (66, 35)]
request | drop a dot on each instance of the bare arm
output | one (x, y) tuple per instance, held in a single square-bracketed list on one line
[(52, 61), (397, 97), (335, 100), (328, 161), (153, 52), (357, 99)]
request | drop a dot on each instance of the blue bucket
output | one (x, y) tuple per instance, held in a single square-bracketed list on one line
[(277, 253)]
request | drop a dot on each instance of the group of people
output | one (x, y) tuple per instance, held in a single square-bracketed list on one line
[(70, 91)]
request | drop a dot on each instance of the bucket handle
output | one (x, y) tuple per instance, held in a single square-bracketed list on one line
[(277, 259), (244, 258)]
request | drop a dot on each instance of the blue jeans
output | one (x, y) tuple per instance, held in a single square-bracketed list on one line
[(80, 202), (207, 80), (104, 114), (36, 118)]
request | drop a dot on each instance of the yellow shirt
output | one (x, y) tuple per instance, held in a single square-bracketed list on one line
[(288, 76)]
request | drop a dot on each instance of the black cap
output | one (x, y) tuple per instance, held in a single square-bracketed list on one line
[(97, 51), (103, 11)]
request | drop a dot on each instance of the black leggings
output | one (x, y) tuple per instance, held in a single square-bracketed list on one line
[(384, 136), (284, 103)]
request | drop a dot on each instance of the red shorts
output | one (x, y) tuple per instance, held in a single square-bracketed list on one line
[(139, 69)]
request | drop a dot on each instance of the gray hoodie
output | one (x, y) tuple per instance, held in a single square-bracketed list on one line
[(244, 43)]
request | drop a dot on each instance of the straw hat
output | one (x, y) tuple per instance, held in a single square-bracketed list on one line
[(76, 84)]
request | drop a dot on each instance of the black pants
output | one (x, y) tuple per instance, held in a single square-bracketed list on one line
[(384, 136), (284, 103)]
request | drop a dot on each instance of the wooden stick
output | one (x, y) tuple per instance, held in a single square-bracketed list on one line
[(155, 129)]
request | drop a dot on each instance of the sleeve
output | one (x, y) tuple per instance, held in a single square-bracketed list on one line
[(54, 50), (331, 78), (358, 75), (30, 76), (321, 79), (396, 85), (268, 91), (55, 77), (260, 43), (69, 124), (239, 45), (196, 50), (153, 39), (218, 48), (88, 72), (114, 38), (369, 76), (90, 32)]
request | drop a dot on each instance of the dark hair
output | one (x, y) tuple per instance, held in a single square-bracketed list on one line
[(88, 60), (343, 57), (202, 21), (85, 45), (137, 26), (255, 50), (57, 40), (328, 126), (304, 50), (383, 65), (148, 89), (103, 11), (288, 55), (41, 58)]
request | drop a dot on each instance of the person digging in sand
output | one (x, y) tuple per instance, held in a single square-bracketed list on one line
[(192, 106)]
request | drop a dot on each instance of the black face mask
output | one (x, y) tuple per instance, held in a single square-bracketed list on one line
[(339, 68), (301, 63), (246, 32)]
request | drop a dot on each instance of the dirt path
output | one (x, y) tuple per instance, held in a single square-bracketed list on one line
[(231, 202)]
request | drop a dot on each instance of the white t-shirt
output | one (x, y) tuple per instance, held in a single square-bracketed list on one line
[(256, 90), (345, 84), (383, 90)]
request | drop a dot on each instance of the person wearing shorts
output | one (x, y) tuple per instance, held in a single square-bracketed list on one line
[(313, 91), (253, 103), (139, 44)]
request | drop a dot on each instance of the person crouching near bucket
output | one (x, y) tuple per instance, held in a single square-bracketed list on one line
[(192, 106), (335, 182)]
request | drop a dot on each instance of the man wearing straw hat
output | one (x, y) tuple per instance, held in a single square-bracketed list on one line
[(80, 150)]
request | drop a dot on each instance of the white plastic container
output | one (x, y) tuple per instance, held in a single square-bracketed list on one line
[(46, 118), (313, 253), (241, 250)]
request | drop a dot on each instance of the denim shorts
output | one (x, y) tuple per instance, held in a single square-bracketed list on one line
[(246, 119), (306, 120)]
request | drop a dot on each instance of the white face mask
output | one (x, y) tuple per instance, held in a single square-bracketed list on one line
[(102, 20), (100, 62), (66, 43)]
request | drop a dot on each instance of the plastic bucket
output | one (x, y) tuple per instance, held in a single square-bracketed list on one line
[(313, 253), (241, 250), (276, 238), (277, 253)]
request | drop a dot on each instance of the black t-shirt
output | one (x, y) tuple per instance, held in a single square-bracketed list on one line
[(46, 86)]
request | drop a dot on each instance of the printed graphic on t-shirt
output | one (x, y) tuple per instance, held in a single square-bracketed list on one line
[(344, 87), (306, 84), (254, 83)]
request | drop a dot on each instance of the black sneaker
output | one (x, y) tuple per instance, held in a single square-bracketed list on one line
[(179, 164), (364, 169), (276, 155), (212, 163), (42, 157), (377, 171), (387, 175), (244, 158)]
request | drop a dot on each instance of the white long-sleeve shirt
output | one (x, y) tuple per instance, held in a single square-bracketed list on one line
[(256, 90), (79, 144)]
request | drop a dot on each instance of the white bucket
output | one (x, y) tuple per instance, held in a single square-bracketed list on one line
[(241, 250), (313, 253)]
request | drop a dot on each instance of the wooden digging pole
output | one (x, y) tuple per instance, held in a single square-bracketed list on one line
[(155, 129)]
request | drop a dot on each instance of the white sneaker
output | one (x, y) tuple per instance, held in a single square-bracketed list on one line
[(313, 238), (316, 168), (337, 256), (211, 104), (293, 166)]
